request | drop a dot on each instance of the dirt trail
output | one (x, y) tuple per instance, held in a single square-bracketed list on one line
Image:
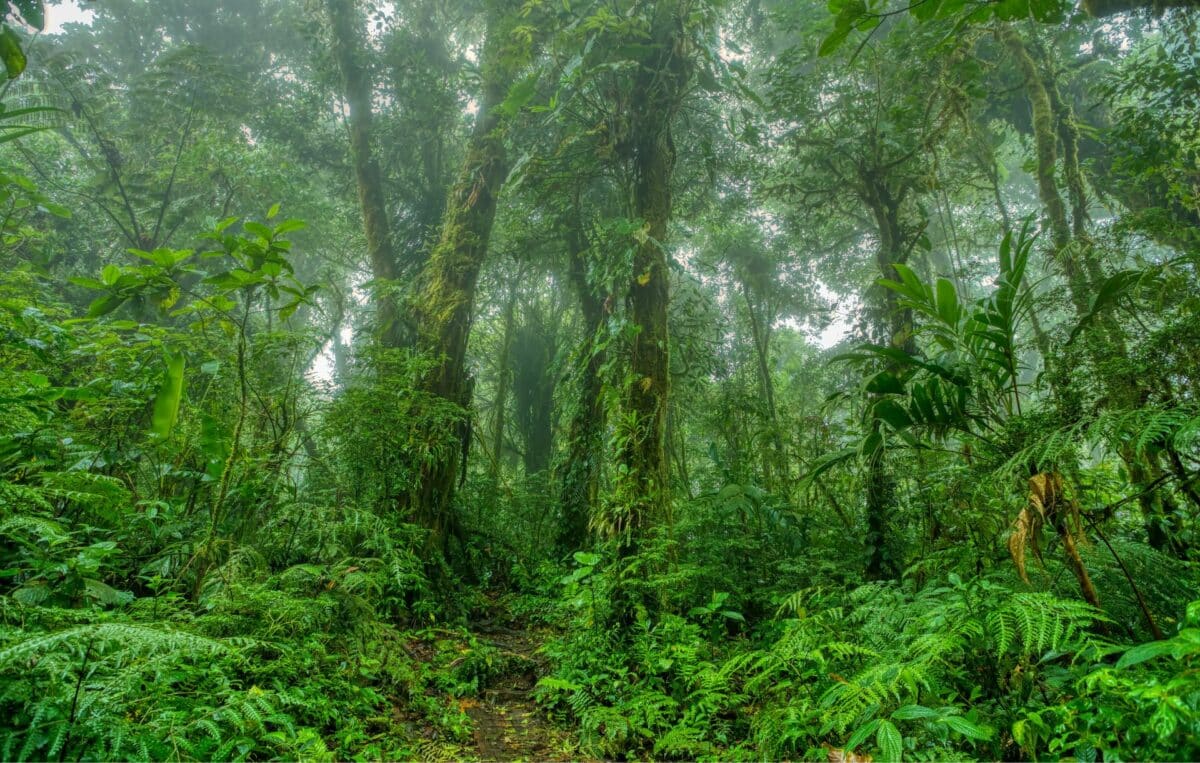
[(508, 724)]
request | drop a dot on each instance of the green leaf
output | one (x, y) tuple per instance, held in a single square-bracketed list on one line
[(828, 461), (885, 383), (890, 742), (287, 226), (11, 53), (33, 13), (892, 413), (170, 393), (288, 310), (923, 11), (519, 95), (913, 712), (104, 305), (110, 274), (274, 210), (258, 229), (1143, 652), (862, 733), (586, 559), (87, 283), (102, 592), (834, 40), (970, 730), (1115, 287), (947, 302)]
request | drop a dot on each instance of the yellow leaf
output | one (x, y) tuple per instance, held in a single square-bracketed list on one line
[(644, 278), (646, 383)]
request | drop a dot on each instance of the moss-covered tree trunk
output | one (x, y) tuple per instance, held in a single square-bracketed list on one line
[(896, 329), (444, 305), (1056, 136), (356, 80), (643, 496)]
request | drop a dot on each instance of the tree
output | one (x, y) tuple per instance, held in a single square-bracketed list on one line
[(444, 303)]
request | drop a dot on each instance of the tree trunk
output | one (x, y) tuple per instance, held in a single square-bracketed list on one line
[(775, 463), (897, 328), (533, 389), (642, 496), (659, 84), (356, 80), (445, 304), (504, 374), (1053, 123)]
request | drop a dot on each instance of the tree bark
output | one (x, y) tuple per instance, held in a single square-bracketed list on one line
[(504, 374), (897, 323), (775, 463), (356, 79), (1054, 125), (445, 304), (643, 487)]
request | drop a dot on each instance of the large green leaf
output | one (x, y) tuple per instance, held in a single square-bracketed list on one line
[(891, 745), (519, 95), (892, 413), (11, 53), (1143, 652), (170, 394)]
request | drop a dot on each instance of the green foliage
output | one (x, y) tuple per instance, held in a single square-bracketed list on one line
[(243, 517)]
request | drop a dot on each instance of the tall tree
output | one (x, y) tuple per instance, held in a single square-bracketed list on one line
[(445, 300)]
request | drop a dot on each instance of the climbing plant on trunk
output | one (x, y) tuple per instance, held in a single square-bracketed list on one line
[(444, 303)]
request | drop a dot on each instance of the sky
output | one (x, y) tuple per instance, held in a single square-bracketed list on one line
[(66, 12)]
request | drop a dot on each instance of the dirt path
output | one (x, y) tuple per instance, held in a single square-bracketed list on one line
[(508, 725)]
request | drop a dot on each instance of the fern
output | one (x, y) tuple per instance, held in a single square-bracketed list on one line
[(1039, 622), (128, 638)]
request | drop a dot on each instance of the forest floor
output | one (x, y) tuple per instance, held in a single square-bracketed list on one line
[(507, 723)]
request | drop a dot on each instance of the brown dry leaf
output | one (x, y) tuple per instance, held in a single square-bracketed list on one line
[(1045, 496), (1022, 531), (834, 755)]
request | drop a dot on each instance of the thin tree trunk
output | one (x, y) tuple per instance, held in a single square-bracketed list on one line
[(502, 381), (897, 323), (775, 462)]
